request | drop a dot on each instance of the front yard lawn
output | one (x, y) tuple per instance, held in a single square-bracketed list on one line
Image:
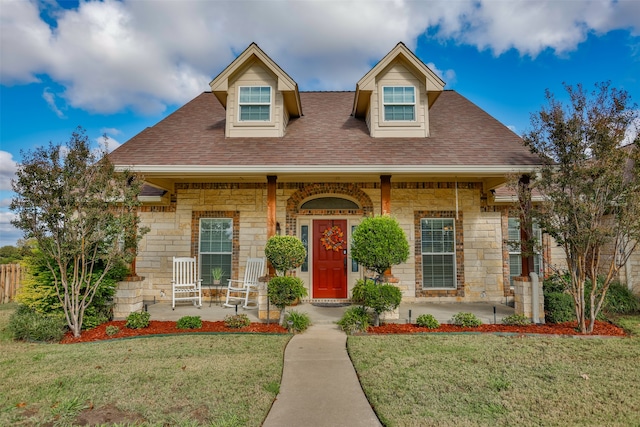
[(485, 380)]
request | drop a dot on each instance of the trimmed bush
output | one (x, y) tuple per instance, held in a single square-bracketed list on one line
[(355, 319), (379, 243), (380, 298), (189, 322), (29, 325), (236, 321), (285, 253), (299, 321), (284, 291), (468, 320), (620, 300), (559, 307), (516, 320), (138, 320), (112, 330), (427, 321)]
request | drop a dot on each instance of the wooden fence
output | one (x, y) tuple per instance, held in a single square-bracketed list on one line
[(10, 276)]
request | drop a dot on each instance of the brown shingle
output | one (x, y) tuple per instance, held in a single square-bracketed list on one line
[(461, 134)]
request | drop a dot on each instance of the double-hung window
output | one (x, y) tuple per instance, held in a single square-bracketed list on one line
[(255, 103), (399, 103), (515, 260), (438, 253), (216, 247)]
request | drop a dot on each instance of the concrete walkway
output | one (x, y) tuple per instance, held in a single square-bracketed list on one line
[(319, 384)]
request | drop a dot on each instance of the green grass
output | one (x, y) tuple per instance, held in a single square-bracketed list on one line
[(485, 380), (213, 380)]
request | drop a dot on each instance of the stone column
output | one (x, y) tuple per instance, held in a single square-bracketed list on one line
[(523, 298), (128, 298)]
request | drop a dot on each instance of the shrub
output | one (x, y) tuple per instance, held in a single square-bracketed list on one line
[(38, 290), (29, 325), (284, 291), (620, 300), (236, 321), (380, 298), (379, 243), (138, 320), (189, 322), (355, 319), (428, 321), (468, 320), (112, 330), (285, 253), (296, 321), (559, 307), (516, 320)]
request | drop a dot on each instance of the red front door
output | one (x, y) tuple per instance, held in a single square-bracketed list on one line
[(329, 259)]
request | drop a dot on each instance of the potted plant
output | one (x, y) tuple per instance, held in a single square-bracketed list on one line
[(217, 274)]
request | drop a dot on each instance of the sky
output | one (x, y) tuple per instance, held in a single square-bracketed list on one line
[(117, 67)]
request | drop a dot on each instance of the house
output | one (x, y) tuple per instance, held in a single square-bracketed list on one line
[(256, 156)]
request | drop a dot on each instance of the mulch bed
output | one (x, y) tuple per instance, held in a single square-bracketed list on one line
[(157, 327), (568, 328)]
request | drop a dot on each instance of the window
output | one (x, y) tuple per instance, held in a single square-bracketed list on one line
[(515, 260), (438, 253), (304, 237), (216, 247), (255, 103), (399, 103)]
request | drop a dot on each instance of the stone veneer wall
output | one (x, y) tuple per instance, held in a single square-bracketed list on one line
[(523, 298), (172, 229)]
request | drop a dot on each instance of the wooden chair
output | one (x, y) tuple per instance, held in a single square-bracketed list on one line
[(241, 291), (185, 285)]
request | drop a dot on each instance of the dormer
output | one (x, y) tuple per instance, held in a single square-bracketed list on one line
[(258, 96), (395, 96)]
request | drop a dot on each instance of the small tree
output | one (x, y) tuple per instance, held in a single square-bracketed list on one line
[(590, 186), (285, 253), (81, 213), (379, 243)]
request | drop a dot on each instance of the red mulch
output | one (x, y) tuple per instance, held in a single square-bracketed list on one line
[(165, 327), (168, 327), (568, 328)]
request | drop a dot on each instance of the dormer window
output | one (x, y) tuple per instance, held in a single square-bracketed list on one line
[(255, 103), (399, 103)]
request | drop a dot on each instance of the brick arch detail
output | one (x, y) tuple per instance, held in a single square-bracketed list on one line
[(326, 189)]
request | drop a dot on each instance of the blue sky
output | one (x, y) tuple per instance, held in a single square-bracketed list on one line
[(116, 67)]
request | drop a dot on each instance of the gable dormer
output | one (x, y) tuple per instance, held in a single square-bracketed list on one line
[(258, 96), (394, 97)]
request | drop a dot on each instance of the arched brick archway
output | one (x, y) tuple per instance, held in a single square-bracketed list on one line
[(350, 191)]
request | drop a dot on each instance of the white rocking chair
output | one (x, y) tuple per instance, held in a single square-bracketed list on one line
[(240, 291), (185, 286)]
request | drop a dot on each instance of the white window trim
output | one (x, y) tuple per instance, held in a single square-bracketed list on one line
[(200, 252), (270, 104), (454, 254), (413, 122)]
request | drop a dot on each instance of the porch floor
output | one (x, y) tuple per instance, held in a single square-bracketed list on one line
[(327, 315)]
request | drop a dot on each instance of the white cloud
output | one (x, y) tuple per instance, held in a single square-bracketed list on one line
[(8, 168), (50, 99), (113, 55), (9, 235), (108, 142), (449, 76), (111, 131)]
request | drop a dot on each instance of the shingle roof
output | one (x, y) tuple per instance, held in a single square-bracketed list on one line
[(461, 134)]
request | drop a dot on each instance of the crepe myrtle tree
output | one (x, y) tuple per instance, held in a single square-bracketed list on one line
[(590, 185), (81, 212), (285, 253)]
